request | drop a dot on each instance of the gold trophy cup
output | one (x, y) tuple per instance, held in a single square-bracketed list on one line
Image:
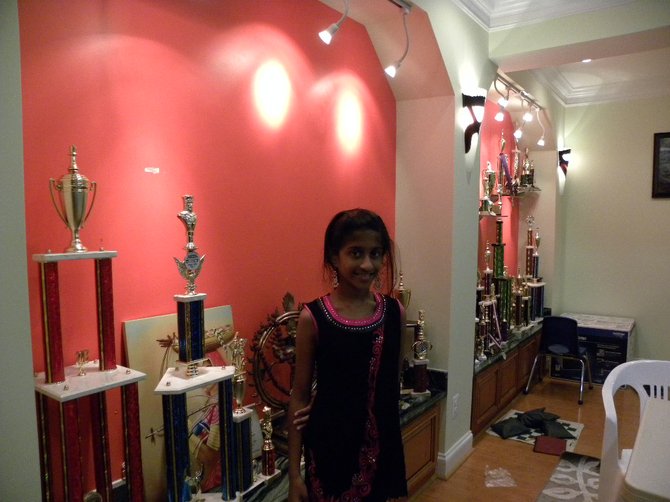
[(73, 189)]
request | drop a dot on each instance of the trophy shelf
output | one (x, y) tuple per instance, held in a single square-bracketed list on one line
[(93, 381), (84, 255), (175, 381)]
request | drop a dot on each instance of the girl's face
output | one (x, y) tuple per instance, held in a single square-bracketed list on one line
[(359, 260)]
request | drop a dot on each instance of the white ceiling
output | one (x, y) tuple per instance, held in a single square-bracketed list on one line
[(630, 67)]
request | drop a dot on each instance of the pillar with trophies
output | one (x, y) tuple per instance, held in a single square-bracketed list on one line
[(90, 379), (533, 278), (189, 374)]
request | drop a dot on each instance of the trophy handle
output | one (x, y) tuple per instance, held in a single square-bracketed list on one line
[(94, 189), (52, 186)]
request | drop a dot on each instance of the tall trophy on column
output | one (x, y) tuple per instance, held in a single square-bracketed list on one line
[(421, 347)]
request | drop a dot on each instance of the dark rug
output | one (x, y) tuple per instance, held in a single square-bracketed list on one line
[(575, 478)]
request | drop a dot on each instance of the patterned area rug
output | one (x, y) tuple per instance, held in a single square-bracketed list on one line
[(575, 478), (573, 428)]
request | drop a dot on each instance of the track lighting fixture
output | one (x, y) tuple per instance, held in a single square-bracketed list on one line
[(475, 105), (327, 35), (518, 133), (392, 69)]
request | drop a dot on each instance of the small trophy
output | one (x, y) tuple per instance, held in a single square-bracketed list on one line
[(402, 294), (82, 359), (190, 268), (268, 451), (421, 346), (73, 189), (486, 206), (236, 353)]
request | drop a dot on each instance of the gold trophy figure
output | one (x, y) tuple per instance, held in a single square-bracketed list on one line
[(190, 268), (82, 359), (73, 189), (236, 353), (486, 206), (402, 294)]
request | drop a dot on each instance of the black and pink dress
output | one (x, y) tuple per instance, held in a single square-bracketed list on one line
[(353, 446)]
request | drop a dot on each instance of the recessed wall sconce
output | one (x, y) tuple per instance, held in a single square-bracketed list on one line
[(406, 7), (327, 35), (563, 160), (540, 142), (475, 105)]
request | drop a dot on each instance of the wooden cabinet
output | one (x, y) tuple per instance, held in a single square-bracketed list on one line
[(497, 385), (420, 441)]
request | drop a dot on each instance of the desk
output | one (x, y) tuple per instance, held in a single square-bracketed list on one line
[(647, 476)]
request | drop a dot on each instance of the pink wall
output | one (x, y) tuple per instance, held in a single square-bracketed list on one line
[(170, 84), (491, 133)]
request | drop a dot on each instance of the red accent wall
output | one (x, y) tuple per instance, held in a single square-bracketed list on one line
[(491, 133), (169, 84)]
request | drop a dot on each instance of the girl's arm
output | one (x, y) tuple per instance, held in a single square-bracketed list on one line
[(305, 351)]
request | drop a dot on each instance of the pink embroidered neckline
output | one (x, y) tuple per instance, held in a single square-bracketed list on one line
[(375, 317)]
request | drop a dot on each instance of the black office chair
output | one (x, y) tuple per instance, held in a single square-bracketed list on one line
[(560, 341)]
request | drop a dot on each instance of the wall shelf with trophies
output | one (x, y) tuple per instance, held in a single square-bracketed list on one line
[(68, 386)]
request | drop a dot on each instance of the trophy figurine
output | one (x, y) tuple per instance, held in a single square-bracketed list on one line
[(486, 206), (421, 346), (235, 350), (82, 359), (268, 451), (73, 189), (190, 268), (402, 294)]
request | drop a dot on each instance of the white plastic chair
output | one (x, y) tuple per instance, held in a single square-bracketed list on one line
[(651, 380)]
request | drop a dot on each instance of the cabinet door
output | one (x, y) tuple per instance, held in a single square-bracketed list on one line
[(507, 379), (420, 443), (484, 398), (527, 355)]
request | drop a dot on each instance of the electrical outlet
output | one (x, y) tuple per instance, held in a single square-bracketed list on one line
[(454, 405)]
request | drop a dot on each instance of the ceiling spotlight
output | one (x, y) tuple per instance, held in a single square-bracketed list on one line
[(540, 142), (527, 116), (392, 69), (519, 132), (327, 35), (500, 116)]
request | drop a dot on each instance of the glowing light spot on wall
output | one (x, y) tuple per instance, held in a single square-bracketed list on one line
[(349, 121), (272, 92)]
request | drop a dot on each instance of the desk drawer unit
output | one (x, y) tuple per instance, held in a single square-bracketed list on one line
[(608, 341)]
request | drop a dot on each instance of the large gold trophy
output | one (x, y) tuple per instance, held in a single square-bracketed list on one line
[(73, 189)]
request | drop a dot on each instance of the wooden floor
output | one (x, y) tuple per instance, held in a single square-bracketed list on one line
[(531, 470)]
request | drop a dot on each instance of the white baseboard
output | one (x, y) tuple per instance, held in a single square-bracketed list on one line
[(448, 462)]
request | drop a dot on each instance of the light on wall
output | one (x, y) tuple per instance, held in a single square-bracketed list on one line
[(475, 105), (392, 69), (563, 160), (540, 142), (327, 35)]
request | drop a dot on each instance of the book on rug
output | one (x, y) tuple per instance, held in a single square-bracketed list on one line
[(550, 445)]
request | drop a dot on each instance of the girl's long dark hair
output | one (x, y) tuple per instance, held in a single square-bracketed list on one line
[(340, 230)]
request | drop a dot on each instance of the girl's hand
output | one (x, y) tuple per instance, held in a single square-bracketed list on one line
[(301, 417)]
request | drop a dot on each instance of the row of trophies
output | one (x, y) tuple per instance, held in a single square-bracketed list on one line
[(506, 303), (517, 181), (192, 371)]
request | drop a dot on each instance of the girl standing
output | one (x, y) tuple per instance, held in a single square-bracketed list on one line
[(352, 338)]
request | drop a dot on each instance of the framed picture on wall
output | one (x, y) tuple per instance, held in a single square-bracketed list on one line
[(661, 177)]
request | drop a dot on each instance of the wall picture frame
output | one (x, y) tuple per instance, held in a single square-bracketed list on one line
[(661, 174)]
